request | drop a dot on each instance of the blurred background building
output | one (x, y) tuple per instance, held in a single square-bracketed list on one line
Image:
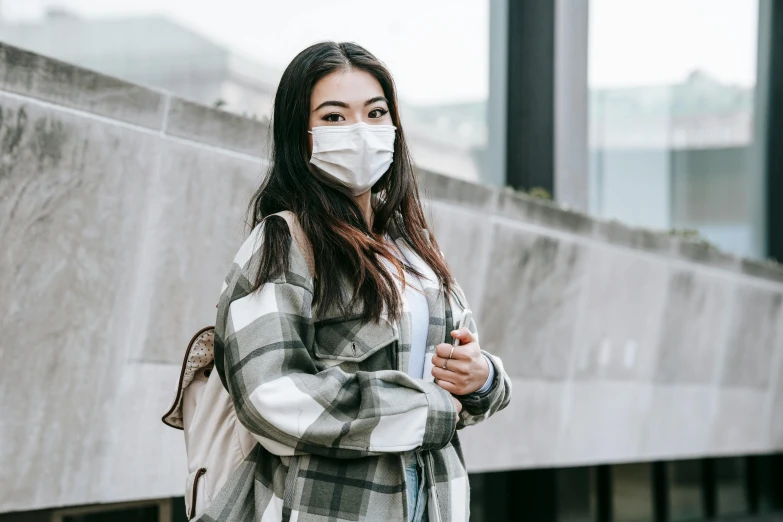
[(655, 126)]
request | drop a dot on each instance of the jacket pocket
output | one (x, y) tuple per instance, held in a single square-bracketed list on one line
[(352, 339), (197, 496)]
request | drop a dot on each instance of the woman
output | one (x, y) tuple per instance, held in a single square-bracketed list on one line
[(326, 365)]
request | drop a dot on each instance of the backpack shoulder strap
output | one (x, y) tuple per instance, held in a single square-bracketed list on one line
[(299, 236)]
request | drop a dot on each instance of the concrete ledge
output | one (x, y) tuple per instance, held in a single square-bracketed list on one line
[(765, 269), (47, 79), (219, 128), (524, 208), (444, 188)]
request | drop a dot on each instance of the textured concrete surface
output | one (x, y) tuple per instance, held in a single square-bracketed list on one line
[(43, 78), (220, 128), (119, 217)]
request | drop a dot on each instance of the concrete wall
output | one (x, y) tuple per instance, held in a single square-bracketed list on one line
[(121, 208)]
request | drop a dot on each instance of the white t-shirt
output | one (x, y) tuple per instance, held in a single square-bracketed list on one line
[(420, 321)]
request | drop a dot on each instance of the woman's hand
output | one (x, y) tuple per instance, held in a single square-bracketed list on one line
[(466, 371)]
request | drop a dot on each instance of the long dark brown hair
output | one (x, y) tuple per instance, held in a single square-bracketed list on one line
[(343, 245)]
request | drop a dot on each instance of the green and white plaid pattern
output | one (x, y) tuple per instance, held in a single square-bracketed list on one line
[(330, 406)]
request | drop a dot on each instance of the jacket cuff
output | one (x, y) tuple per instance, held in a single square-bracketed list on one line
[(490, 377), (477, 403), (441, 417)]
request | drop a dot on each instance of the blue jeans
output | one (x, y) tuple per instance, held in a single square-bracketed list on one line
[(417, 495)]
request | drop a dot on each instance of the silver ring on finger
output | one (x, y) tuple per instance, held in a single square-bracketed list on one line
[(445, 363), (452, 351)]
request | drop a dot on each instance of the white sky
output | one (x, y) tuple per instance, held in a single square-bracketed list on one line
[(642, 42), (438, 50)]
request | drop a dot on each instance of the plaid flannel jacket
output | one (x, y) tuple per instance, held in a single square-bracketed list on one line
[(331, 406)]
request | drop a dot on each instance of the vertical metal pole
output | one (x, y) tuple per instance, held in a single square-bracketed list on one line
[(571, 104), (604, 494), (495, 152), (772, 11), (531, 93), (752, 484), (660, 485), (709, 495)]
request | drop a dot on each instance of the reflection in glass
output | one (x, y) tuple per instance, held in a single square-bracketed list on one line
[(143, 514), (671, 133), (576, 496), (632, 492), (730, 480), (685, 493), (769, 477), (478, 494)]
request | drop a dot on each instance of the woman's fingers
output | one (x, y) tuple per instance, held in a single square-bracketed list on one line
[(444, 375), (463, 334), (458, 383), (452, 365), (451, 387), (443, 350)]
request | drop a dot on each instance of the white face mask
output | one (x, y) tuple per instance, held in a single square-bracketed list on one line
[(358, 154)]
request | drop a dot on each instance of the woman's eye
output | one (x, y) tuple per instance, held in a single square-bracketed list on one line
[(333, 118), (379, 113)]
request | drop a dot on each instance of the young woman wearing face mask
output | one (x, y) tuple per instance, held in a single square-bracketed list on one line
[(346, 374)]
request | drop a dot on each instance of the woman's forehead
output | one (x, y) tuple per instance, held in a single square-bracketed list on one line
[(351, 86)]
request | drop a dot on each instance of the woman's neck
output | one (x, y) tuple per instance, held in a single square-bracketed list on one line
[(364, 200)]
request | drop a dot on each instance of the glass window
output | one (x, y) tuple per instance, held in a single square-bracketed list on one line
[(769, 477), (225, 54), (144, 514), (478, 500), (730, 481), (632, 492), (685, 493), (576, 495), (671, 112)]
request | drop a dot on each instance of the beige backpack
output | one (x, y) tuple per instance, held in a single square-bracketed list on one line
[(215, 441)]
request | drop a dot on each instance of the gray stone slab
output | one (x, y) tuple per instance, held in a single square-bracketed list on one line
[(679, 422), (611, 433), (739, 427), (619, 233), (753, 337), (773, 415), (197, 225), (153, 463), (508, 440), (705, 254), (54, 81), (620, 316), (122, 452), (223, 129), (535, 285), (524, 208), (465, 241), (446, 188), (71, 213), (693, 331), (527, 209)]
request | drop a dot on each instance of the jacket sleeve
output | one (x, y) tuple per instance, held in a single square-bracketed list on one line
[(478, 406), (266, 339)]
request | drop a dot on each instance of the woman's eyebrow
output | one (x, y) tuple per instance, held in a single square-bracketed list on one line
[(346, 106)]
